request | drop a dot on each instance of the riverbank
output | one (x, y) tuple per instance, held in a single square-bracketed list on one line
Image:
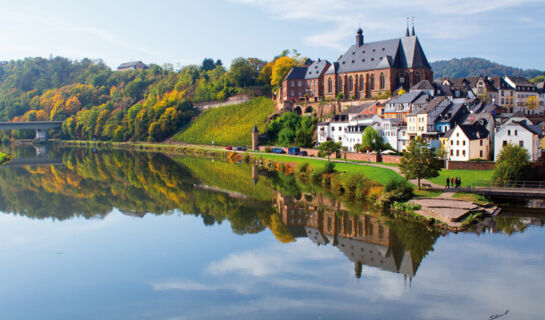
[(342, 181)]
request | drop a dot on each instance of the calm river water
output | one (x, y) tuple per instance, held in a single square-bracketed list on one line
[(124, 235)]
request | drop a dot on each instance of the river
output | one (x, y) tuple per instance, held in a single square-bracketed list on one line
[(87, 234)]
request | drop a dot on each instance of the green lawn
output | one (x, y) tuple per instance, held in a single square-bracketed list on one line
[(479, 199), (381, 175), (469, 177)]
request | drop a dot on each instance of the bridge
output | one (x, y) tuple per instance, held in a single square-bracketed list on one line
[(510, 189), (41, 127)]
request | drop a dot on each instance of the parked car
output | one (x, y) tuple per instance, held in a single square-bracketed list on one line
[(294, 151), (278, 150), (240, 148), (303, 153), (229, 148)]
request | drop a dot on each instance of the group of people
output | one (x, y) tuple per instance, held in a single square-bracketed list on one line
[(454, 182)]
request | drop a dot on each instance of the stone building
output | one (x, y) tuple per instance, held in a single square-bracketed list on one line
[(368, 69)]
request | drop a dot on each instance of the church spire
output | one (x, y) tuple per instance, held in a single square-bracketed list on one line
[(413, 33), (407, 33)]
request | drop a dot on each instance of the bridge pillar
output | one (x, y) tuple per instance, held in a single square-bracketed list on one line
[(41, 134)]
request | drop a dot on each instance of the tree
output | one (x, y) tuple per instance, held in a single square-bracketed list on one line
[(329, 147), (532, 103), (280, 69), (513, 164), (207, 64), (243, 72), (419, 162), (372, 141)]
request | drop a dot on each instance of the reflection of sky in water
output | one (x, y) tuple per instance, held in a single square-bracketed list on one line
[(174, 267)]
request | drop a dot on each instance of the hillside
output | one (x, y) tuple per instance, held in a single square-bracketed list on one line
[(472, 67), (230, 125)]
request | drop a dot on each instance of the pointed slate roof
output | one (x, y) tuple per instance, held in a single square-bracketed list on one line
[(297, 73), (316, 68), (395, 53)]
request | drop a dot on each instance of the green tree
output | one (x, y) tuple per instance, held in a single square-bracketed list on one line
[(329, 147), (513, 164), (419, 162), (207, 64), (372, 141)]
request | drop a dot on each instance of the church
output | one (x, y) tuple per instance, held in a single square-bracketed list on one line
[(365, 70)]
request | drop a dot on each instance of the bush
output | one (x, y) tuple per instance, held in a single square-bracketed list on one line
[(302, 167), (330, 167), (399, 189), (268, 149)]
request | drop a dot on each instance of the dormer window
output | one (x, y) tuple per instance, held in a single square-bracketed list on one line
[(362, 60), (353, 61), (372, 59), (382, 49), (373, 50)]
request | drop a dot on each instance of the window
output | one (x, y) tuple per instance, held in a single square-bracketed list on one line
[(508, 132), (417, 78), (481, 142), (457, 153), (521, 143), (464, 143), (481, 153), (457, 142), (332, 128), (340, 84), (361, 82), (452, 152), (516, 132), (504, 143), (382, 81), (299, 83), (329, 85), (292, 83), (350, 84), (463, 153), (372, 82)]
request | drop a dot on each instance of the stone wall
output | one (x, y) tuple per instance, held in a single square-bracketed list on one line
[(386, 158), (470, 165)]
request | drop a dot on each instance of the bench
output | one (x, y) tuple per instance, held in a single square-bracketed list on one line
[(426, 185)]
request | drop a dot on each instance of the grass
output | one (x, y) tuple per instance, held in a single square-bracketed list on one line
[(380, 175), (3, 157), (229, 125), (476, 198), (469, 177)]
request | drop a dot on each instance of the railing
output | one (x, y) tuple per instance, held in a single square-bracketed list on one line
[(510, 185)]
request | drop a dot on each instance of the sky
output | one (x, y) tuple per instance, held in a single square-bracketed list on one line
[(509, 32)]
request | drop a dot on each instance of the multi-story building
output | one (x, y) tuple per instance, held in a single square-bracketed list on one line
[(506, 93), (520, 131), (399, 107), (524, 89), (368, 69), (467, 142)]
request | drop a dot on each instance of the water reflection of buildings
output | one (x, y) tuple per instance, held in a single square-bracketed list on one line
[(363, 239)]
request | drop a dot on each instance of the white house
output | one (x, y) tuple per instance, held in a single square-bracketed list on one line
[(466, 142), (521, 134)]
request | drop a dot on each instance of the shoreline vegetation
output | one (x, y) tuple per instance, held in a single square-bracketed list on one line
[(378, 188), (4, 157)]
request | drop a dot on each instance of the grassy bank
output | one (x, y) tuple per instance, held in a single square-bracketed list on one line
[(469, 177), (229, 125)]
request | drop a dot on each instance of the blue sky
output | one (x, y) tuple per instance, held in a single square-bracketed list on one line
[(510, 32)]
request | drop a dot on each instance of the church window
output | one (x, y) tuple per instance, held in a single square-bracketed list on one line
[(329, 85), (350, 83), (372, 84), (340, 84), (361, 82), (382, 81), (417, 77)]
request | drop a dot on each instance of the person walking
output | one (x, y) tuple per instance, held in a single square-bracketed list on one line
[(448, 183), (459, 182), (452, 181)]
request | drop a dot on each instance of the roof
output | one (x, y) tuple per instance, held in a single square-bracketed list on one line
[(131, 64), (534, 129), (520, 81), (333, 69), (407, 97), (356, 109), (423, 85), (297, 72), (400, 53), (473, 131), (316, 69), (499, 83), (451, 112)]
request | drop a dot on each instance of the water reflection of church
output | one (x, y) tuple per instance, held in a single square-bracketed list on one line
[(363, 239)]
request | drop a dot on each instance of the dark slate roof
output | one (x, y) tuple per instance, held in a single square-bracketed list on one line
[(473, 131), (521, 81), (532, 128), (308, 62), (316, 68), (130, 64), (451, 112), (395, 53), (499, 83), (334, 68), (423, 85), (297, 73), (355, 109), (407, 97)]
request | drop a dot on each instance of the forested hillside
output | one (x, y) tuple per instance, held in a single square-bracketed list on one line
[(472, 67), (97, 103)]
